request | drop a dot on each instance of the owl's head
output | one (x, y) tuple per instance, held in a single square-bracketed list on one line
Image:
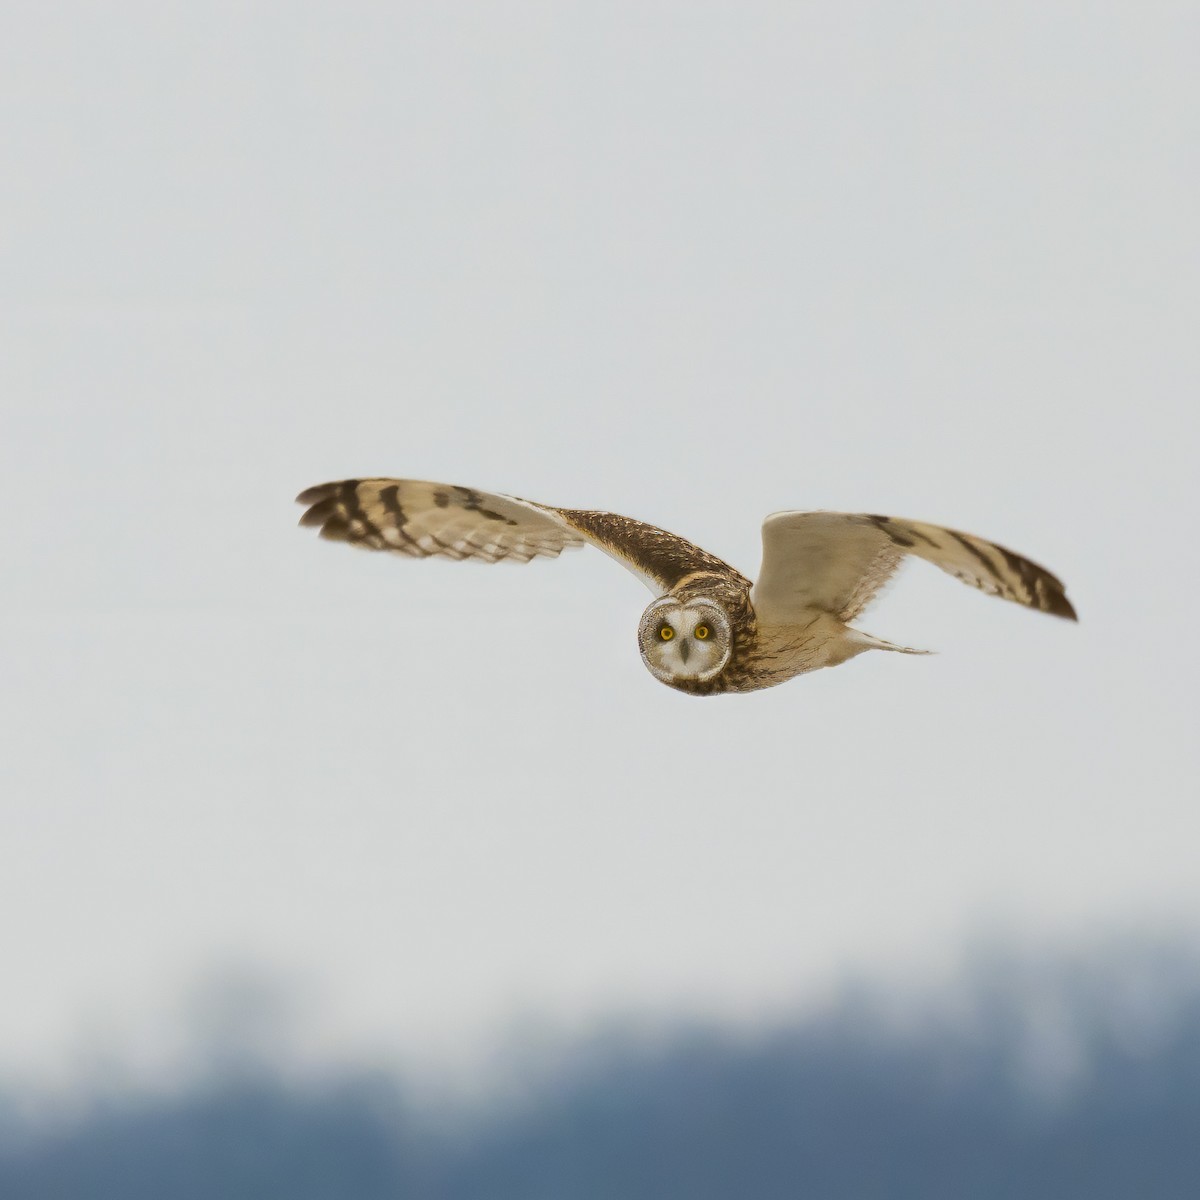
[(688, 642)]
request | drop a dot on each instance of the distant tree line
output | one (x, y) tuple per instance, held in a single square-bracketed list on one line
[(851, 1103)]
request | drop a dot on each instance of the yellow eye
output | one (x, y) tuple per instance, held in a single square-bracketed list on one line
[(666, 633), (701, 632)]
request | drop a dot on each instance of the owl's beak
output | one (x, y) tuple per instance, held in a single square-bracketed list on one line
[(684, 650)]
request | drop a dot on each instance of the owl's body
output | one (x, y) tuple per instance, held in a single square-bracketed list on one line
[(709, 630)]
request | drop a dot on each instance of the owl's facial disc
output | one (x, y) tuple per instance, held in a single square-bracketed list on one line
[(684, 641)]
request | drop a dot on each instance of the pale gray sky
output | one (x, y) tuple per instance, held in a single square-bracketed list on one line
[(690, 262)]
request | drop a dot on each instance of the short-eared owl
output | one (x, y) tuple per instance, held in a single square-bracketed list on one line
[(709, 629)]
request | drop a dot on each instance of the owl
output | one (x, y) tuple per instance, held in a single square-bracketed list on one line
[(709, 630)]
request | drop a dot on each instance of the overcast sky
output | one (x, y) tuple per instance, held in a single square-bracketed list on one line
[(689, 262)]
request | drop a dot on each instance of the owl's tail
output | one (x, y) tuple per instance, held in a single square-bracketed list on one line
[(859, 641)]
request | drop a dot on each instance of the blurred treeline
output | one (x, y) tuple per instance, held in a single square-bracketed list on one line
[(1041, 1080)]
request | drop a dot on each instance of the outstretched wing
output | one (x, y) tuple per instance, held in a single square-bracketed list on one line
[(836, 562), (421, 520)]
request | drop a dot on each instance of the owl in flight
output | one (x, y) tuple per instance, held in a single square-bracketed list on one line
[(709, 629)]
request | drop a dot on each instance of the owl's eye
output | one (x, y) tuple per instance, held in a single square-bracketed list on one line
[(666, 633), (701, 632)]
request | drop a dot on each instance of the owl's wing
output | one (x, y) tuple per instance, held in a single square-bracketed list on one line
[(836, 562), (421, 520)]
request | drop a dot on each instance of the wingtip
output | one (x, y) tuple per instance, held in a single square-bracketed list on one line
[(323, 507), (1060, 606), (315, 493)]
